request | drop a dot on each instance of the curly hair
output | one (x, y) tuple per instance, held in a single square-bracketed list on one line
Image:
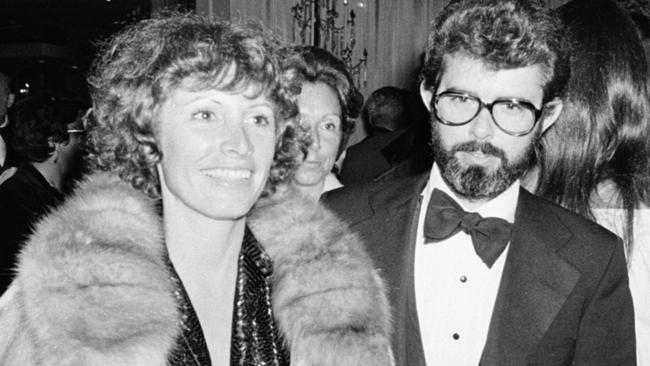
[(142, 65), (316, 65), (38, 121), (504, 34)]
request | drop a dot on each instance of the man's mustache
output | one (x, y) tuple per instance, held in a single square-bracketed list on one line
[(483, 147)]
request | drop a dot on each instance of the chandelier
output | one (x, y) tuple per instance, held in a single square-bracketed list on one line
[(318, 23)]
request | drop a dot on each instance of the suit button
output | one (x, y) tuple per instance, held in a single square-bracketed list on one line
[(455, 336), (463, 279)]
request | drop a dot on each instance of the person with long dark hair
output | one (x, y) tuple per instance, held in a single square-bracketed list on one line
[(596, 158)]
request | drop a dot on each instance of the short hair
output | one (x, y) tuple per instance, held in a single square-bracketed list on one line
[(391, 108), (504, 34), (143, 64), (316, 65), (603, 132), (38, 121)]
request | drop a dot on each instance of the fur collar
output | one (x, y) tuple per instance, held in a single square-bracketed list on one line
[(329, 301), (92, 286)]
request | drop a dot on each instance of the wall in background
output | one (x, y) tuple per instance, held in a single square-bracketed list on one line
[(392, 32)]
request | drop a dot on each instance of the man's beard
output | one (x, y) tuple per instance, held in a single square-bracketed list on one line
[(475, 182)]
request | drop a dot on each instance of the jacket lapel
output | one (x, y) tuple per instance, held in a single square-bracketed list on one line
[(535, 284), (395, 215)]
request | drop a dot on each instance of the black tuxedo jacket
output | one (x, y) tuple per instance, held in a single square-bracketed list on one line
[(563, 298)]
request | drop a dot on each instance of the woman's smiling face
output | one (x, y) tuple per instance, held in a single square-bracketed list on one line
[(217, 149)]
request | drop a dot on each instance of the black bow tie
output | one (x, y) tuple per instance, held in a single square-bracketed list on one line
[(445, 217)]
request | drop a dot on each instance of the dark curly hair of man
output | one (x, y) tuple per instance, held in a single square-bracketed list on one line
[(504, 34), (142, 65)]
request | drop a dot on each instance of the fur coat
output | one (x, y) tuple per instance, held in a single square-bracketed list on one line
[(92, 285)]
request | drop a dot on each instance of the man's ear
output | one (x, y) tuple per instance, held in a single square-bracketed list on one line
[(426, 95), (551, 113), (11, 98)]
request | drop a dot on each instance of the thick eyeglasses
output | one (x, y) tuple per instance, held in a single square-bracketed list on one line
[(513, 116)]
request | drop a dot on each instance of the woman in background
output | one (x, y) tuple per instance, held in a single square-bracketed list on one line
[(328, 102), (596, 158), (155, 258)]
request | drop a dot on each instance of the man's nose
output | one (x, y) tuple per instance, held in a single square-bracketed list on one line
[(482, 127)]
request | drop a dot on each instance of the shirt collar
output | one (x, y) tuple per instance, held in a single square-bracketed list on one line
[(502, 206)]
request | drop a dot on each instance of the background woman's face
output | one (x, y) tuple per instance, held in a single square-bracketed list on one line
[(320, 112), (217, 148)]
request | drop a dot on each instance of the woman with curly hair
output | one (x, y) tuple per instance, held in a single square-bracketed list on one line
[(157, 257), (328, 102)]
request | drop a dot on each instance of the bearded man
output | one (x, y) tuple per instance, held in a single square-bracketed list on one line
[(479, 270)]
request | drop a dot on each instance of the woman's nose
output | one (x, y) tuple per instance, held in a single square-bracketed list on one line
[(237, 141)]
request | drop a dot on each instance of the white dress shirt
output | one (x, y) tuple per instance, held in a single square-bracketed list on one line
[(454, 290)]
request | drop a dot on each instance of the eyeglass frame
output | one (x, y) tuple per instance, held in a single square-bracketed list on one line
[(75, 130), (537, 112)]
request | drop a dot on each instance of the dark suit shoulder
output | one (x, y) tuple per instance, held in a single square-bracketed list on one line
[(351, 200), (362, 190), (354, 199), (589, 242), (353, 191), (373, 143), (570, 218)]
